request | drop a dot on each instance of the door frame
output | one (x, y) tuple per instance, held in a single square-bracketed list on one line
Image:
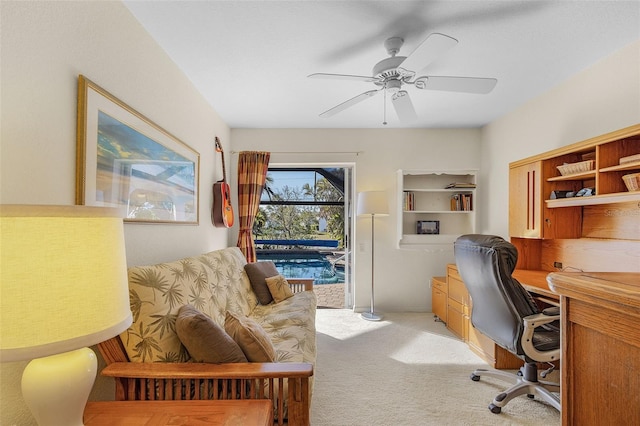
[(349, 221)]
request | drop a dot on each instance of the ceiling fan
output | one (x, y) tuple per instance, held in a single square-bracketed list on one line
[(391, 74)]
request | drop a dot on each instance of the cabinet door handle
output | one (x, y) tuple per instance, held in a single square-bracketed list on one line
[(531, 191)]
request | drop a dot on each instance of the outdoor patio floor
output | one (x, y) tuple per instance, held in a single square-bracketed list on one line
[(329, 295)]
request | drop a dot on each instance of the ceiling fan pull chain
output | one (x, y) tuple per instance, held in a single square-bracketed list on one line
[(384, 105)]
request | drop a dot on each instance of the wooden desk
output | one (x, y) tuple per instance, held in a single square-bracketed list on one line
[(160, 413), (600, 377), (535, 282)]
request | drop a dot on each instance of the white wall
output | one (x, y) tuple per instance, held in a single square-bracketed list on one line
[(402, 276), (603, 98), (45, 45)]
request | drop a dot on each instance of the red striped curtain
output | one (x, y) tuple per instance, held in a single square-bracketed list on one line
[(252, 173)]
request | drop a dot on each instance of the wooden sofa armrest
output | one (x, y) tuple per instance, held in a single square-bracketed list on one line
[(187, 370), (186, 381), (300, 284)]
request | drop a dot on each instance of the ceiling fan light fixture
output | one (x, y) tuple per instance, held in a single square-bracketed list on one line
[(399, 94), (393, 86), (421, 82)]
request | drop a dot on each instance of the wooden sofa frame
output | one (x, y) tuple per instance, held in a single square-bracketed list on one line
[(197, 381)]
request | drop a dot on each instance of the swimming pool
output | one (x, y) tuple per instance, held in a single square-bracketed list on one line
[(304, 264)]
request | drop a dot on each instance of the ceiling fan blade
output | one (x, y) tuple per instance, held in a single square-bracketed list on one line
[(342, 77), (404, 107), (428, 51), (457, 84), (351, 102)]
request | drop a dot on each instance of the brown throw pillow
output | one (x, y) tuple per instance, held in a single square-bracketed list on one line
[(279, 288), (205, 340), (257, 273), (251, 338)]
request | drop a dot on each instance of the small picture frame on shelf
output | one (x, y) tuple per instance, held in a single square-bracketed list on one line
[(428, 227)]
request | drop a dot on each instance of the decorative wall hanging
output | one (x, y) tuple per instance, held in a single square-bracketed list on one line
[(125, 160)]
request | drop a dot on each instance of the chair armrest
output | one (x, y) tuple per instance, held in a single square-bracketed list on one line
[(531, 322)]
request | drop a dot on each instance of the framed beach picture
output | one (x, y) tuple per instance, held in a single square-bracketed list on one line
[(124, 160)]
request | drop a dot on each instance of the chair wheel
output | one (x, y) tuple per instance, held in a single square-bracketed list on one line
[(475, 377), (495, 409), (530, 396)]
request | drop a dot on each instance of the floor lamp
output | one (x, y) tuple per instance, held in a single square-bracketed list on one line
[(372, 203)]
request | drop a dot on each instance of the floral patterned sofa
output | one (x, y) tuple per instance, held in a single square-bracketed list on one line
[(150, 362)]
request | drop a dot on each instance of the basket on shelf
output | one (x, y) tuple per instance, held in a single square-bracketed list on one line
[(573, 168), (632, 181)]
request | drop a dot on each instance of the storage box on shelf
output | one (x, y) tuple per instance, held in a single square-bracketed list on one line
[(442, 198)]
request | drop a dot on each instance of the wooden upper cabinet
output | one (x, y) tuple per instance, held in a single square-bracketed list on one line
[(534, 213), (529, 217), (525, 201)]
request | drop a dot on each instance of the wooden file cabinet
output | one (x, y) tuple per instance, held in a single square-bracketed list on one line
[(457, 304), (459, 323), (439, 298)]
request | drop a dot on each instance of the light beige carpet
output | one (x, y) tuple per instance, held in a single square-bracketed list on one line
[(405, 370)]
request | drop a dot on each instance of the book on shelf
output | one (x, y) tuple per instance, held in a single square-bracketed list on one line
[(460, 185), (409, 201), (462, 202)]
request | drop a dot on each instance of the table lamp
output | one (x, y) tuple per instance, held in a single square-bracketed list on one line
[(372, 203), (63, 287)]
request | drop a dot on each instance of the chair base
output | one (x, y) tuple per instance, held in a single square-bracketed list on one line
[(525, 382)]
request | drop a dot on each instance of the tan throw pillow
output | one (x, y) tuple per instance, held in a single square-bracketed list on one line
[(257, 273), (205, 340), (251, 338), (279, 288)]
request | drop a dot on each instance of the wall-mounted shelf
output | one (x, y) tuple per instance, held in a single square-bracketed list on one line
[(422, 195), (591, 174), (621, 167), (437, 212), (619, 197)]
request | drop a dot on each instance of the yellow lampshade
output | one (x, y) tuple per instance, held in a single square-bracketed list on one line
[(373, 202), (63, 279)]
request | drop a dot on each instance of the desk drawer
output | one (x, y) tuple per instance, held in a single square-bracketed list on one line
[(452, 271), (457, 290), (456, 319), (439, 283)]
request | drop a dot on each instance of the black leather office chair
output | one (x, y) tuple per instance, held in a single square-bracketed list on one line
[(505, 312)]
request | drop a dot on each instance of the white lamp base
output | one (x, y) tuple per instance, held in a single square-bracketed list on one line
[(56, 388), (370, 316)]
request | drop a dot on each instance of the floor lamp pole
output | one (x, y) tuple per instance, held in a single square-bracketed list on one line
[(372, 316)]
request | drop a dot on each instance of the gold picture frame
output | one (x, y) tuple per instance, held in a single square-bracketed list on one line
[(125, 160)]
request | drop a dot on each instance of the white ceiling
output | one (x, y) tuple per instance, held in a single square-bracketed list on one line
[(250, 59)]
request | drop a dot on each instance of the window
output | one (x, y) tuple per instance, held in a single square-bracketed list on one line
[(302, 203)]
